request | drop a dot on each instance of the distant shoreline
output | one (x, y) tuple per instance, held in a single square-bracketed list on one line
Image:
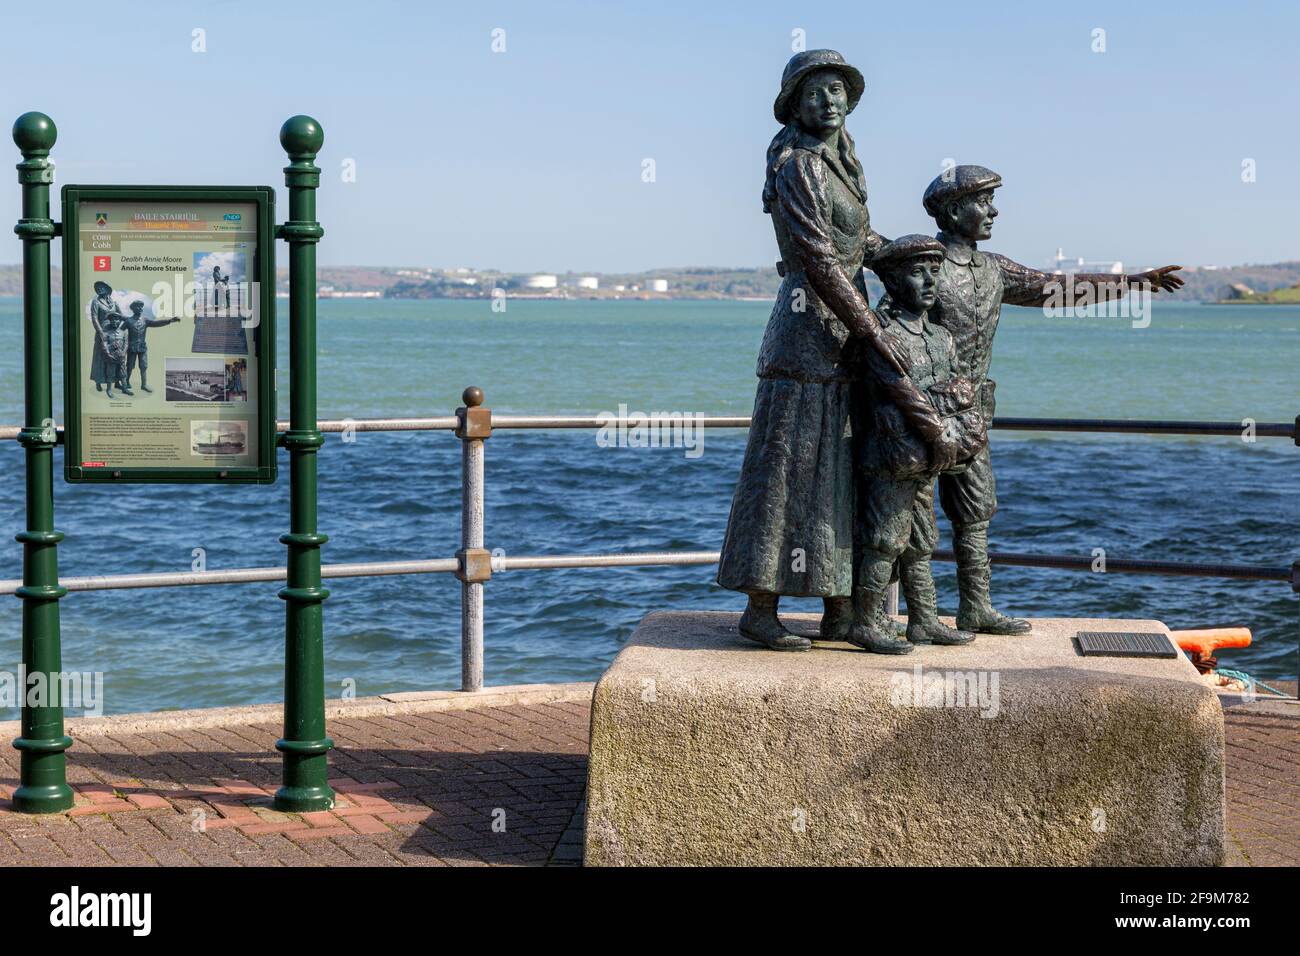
[(757, 284), (641, 299)]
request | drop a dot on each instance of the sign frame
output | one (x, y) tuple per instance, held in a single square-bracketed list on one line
[(262, 334)]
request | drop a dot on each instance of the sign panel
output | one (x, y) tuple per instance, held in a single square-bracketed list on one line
[(169, 333)]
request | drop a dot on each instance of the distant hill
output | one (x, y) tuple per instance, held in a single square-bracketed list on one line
[(11, 281), (1202, 283), (1242, 294)]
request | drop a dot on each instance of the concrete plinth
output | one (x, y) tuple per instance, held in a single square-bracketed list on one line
[(708, 749)]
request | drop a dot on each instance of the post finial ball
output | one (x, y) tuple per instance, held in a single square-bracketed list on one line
[(301, 136), (472, 396), (35, 133)]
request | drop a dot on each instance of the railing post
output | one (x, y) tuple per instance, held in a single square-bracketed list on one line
[(891, 599), (304, 745), (43, 786), (473, 563)]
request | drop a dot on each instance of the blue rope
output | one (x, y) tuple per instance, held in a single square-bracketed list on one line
[(1248, 680)]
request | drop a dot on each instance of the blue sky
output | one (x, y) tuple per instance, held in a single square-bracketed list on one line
[(531, 159)]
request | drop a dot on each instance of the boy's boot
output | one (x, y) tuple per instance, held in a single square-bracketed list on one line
[(923, 624), (868, 605), (975, 612)]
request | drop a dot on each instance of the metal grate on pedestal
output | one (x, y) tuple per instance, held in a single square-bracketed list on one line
[(1125, 644)]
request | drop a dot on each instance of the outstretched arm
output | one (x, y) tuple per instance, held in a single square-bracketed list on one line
[(1026, 286)]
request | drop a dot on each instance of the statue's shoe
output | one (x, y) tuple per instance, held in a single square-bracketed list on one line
[(775, 638), (146, 388), (937, 632), (779, 642), (871, 639), (988, 621), (890, 626)]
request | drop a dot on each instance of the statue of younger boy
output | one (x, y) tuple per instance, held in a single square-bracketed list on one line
[(115, 335), (896, 473)]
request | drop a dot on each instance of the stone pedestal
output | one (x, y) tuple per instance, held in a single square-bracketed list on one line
[(708, 749)]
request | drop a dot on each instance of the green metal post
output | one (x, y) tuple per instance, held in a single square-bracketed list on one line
[(304, 745), (43, 786)]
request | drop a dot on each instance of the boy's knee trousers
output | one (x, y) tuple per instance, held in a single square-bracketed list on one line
[(971, 495)]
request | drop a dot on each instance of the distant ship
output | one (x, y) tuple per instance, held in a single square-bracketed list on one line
[(1062, 264), (225, 443)]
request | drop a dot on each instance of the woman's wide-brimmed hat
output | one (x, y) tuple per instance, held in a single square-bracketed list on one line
[(800, 65), (102, 288)]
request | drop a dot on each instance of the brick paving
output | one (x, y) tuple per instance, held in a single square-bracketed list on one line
[(1263, 757), (493, 785), (496, 785)]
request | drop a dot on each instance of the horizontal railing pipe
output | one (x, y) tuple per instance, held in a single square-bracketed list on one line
[(1069, 562), (627, 560), (682, 419), (630, 559), (542, 422), (171, 579), (1139, 426), (443, 423)]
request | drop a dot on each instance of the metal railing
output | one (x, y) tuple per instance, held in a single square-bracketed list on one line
[(474, 564)]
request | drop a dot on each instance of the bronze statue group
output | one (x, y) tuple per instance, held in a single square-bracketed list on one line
[(121, 342), (860, 411)]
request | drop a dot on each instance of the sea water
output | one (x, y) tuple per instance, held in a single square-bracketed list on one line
[(389, 496)]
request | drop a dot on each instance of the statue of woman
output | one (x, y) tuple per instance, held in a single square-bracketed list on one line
[(790, 531), (220, 284), (103, 309)]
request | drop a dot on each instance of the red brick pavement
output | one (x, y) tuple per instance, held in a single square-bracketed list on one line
[(1263, 756), (494, 785)]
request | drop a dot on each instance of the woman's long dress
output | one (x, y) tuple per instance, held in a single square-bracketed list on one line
[(790, 531), (99, 364)]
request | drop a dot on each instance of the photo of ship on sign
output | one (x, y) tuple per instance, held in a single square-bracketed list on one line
[(218, 438)]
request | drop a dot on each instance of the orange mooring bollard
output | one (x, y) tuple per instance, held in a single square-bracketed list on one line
[(1202, 643)]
